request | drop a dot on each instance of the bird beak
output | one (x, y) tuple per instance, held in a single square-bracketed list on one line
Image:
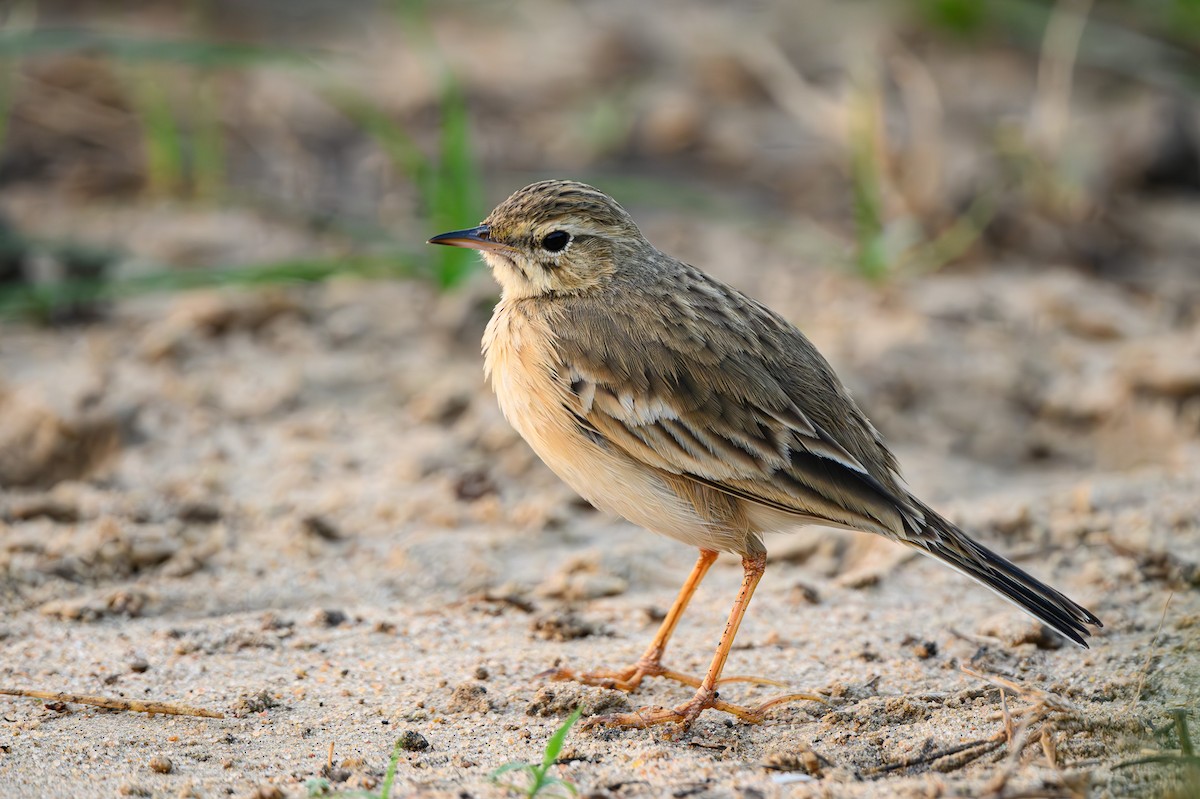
[(476, 238)]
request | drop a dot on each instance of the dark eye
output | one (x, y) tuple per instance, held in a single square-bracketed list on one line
[(556, 241)]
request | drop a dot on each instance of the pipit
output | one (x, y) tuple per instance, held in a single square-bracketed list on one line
[(694, 411)]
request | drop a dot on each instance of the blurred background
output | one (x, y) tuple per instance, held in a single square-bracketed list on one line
[(1039, 159), (915, 135), (239, 396)]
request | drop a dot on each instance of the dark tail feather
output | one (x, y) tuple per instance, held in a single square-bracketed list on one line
[(947, 543)]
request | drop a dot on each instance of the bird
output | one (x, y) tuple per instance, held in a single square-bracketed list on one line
[(671, 399)]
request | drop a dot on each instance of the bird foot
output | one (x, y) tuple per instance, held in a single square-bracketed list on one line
[(629, 679), (683, 715), (626, 680)]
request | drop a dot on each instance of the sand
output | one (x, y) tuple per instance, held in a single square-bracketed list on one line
[(302, 509)]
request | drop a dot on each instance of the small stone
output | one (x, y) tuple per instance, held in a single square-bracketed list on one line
[(562, 700), (320, 527), (329, 617), (412, 741), (255, 703), (120, 602), (1014, 631), (580, 579), (200, 512), (473, 484), (469, 697), (161, 764), (1166, 365), (336, 774), (271, 622), (139, 666), (804, 761), (859, 579), (562, 627), (40, 448), (362, 784), (805, 594), (267, 792), (925, 649), (43, 506), (481, 673)]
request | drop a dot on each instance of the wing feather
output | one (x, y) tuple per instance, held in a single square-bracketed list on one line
[(729, 411)]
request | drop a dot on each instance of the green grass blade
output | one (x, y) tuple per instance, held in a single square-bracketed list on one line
[(871, 257), (456, 193), (207, 140), (555, 744), (8, 81), (160, 131), (390, 777), (449, 187), (555, 782), (400, 148), (40, 299), (317, 786), (540, 777)]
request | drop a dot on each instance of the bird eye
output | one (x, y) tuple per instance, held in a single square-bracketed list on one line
[(556, 241)]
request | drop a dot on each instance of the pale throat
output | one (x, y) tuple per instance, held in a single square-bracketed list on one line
[(514, 283)]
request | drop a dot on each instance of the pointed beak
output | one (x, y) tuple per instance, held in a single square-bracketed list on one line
[(476, 238)]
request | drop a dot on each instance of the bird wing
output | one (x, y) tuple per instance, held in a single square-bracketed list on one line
[(720, 390), (708, 385)]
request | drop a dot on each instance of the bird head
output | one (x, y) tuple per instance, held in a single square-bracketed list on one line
[(551, 237)]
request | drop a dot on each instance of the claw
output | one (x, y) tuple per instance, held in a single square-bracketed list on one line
[(629, 679), (626, 680), (683, 715), (752, 679)]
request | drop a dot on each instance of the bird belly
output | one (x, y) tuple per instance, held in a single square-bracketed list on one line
[(612, 482)]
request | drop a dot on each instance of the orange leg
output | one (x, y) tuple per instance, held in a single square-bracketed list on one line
[(706, 695), (650, 663)]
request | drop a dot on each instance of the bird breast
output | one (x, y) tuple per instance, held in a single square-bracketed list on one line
[(535, 397)]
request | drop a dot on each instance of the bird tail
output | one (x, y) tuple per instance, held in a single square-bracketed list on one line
[(944, 541)]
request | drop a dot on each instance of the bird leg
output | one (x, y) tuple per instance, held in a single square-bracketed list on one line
[(706, 694), (650, 663)]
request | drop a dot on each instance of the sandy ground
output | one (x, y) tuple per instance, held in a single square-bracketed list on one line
[(302, 509)]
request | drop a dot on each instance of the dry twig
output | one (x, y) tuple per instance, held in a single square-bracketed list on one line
[(1137, 693), (1051, 104), (1029, 693), (812, 108), (130, 705), (1008, 724), (971, 750)]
